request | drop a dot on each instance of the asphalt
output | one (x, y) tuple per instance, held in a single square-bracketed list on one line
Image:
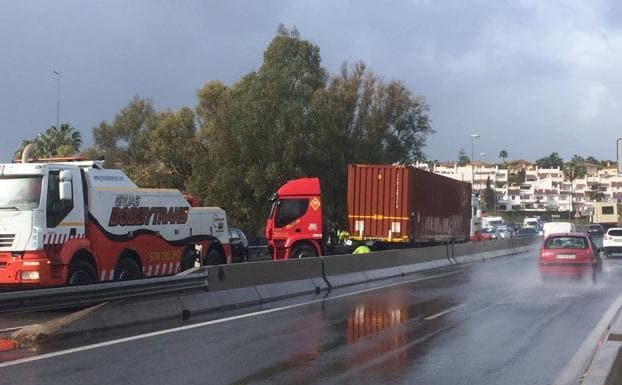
[(493, 322)]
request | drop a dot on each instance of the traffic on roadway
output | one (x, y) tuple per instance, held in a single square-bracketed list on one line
[(492, 322)]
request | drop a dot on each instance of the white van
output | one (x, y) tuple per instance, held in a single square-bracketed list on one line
[(557, 227), (532, 222)]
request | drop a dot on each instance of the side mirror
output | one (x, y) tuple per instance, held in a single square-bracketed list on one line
[(64, 188), (64, 191)]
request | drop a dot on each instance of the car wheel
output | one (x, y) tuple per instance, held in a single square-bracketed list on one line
[(80, 273), (127, 269), (213, 257), (303, 251)]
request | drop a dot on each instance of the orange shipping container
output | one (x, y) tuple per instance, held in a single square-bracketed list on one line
[(405, 204)]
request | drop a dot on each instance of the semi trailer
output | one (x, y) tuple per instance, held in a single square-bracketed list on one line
[(388, 206)]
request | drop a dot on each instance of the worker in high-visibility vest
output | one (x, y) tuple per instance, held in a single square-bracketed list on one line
[(361, 249), (343, 236)]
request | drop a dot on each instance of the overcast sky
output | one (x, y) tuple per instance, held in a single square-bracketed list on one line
[(531, 77)]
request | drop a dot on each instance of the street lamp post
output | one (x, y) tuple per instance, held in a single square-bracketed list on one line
[(473, 137), (57, 73)]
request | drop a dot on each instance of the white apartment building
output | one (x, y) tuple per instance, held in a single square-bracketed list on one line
[(541, 190)]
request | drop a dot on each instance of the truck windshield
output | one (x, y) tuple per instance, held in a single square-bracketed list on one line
[(288, 210), (20, 193)]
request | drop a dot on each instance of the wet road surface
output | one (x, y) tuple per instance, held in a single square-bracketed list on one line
[(484, 323)]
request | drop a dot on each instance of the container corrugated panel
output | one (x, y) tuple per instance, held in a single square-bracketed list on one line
[(441, 207), (378, 202), (402, 204)]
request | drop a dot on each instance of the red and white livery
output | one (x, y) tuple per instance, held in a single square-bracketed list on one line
[(77, 222)]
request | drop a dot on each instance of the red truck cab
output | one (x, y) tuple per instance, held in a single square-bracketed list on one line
[(294, 225)]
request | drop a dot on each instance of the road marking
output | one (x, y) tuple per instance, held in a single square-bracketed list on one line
[(208, 323), (430, 318)]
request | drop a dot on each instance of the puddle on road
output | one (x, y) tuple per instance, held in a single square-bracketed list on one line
[(371, 329)]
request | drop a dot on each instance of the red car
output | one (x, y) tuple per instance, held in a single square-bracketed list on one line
[(571, 254)]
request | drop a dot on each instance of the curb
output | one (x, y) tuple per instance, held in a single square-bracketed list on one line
[(594, 361)]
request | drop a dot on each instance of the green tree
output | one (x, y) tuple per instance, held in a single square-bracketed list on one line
[(551, 161), (516, 178), (596, 193), (156, 149), (258, 131), (358, 118), (289, 119), (124, 141), (591, 160), (574, 169), (60, 141), (173, 145), (463, 158), (503, 154)]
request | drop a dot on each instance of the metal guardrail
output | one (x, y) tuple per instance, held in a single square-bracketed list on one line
[(78, 296)]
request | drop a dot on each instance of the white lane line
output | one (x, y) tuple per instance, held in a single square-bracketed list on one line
[(208, 323), (430, 318)]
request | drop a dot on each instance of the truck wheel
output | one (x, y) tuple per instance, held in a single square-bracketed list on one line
[(127, 269), (188, 259), (213, 257), (303, 251), (80, 273)]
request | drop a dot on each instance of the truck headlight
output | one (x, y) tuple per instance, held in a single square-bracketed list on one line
[(29, 275)]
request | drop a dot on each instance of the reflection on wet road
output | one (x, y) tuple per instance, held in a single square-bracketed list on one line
[(491, 323)]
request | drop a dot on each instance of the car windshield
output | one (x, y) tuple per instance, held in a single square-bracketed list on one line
[(21, 193), (566, 243), (488, 230), (527, 230), (615, 233)]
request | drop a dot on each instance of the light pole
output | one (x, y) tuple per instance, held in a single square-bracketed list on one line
[(473, 137), (57, 73)]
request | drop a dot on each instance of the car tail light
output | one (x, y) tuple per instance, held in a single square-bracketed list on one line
[(547, 255), (608, 237)]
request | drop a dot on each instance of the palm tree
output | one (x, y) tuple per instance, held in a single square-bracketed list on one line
[(503, 155), (574, 169), (54, 141)]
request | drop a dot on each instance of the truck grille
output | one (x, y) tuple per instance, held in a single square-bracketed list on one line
[(6, 240)]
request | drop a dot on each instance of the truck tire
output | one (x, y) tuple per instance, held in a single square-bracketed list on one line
[(303, 251), (127, 269), (188, 259), (213, 257), (80, 273)]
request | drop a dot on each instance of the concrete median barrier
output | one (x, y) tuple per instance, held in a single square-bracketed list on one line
[(291, 277), (245, 284), (352, 269), (225, 277)]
